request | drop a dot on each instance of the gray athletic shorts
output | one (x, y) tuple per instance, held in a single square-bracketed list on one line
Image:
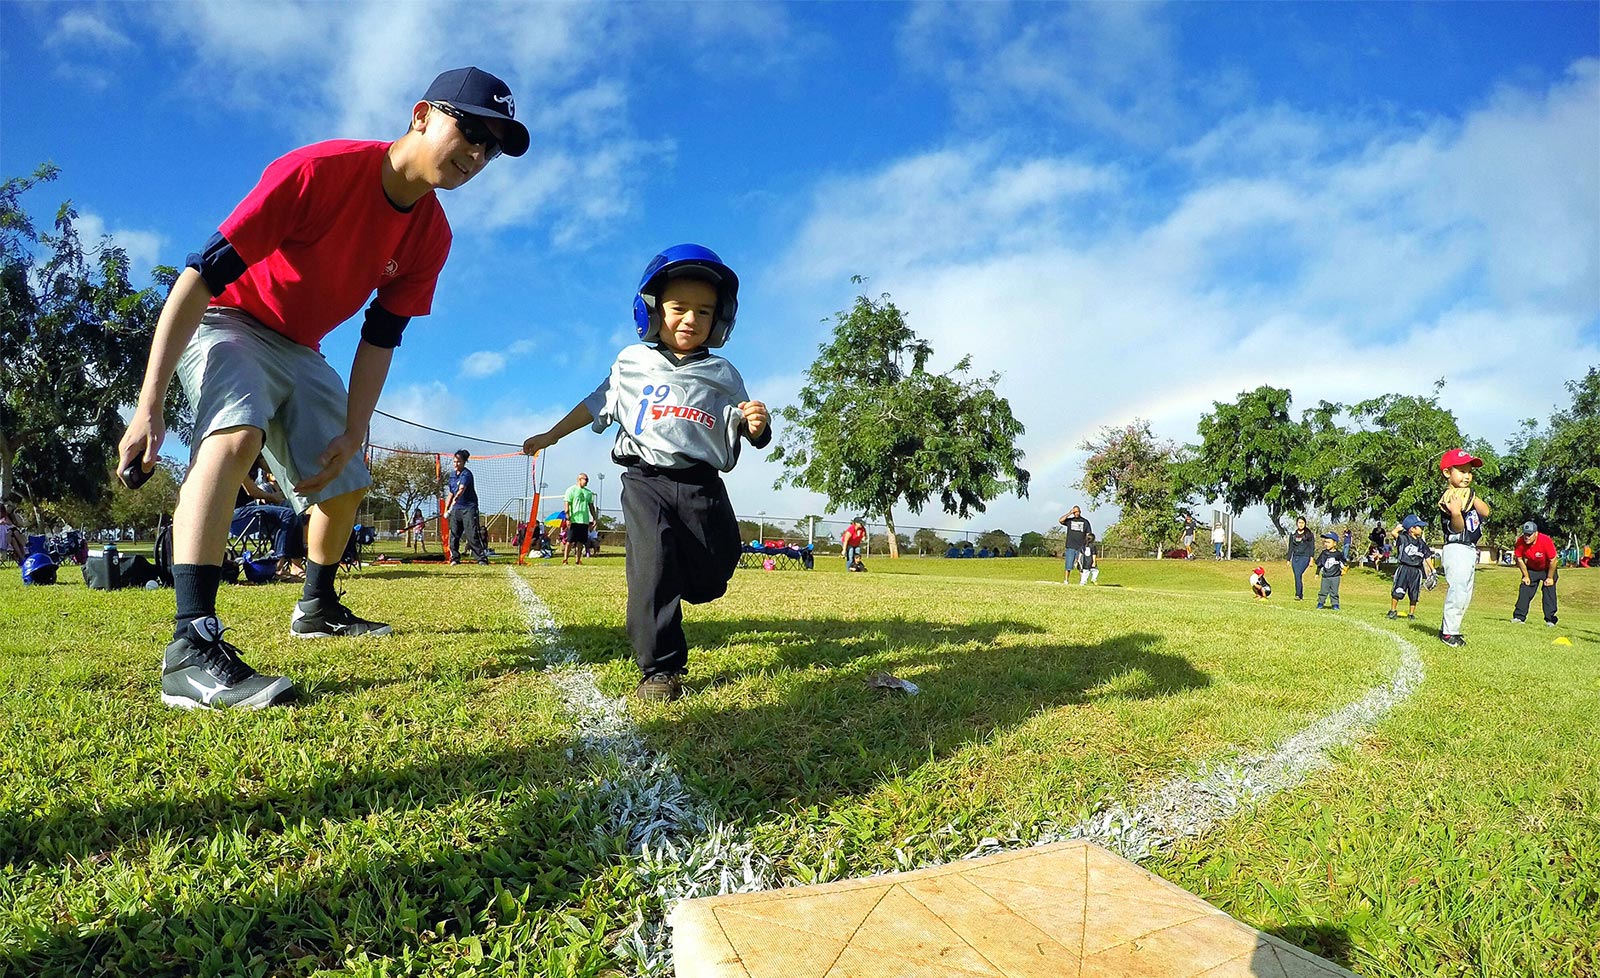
[(238, 372)]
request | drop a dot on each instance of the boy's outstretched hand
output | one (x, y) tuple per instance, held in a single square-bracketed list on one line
[(756, 417)]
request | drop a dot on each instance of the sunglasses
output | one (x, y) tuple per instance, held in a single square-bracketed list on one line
[(472, 129)]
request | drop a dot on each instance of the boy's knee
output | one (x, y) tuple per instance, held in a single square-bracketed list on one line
[(232, 443)]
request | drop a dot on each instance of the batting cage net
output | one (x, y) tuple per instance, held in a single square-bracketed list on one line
[(410, 490)]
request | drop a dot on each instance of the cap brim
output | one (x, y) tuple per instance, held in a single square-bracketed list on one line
[(516, 141)]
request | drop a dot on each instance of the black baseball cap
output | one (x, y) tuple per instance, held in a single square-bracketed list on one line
[(476, 92)]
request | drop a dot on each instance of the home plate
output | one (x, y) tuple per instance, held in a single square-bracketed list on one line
[(1069, 909)]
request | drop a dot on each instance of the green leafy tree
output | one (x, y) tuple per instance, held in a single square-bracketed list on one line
[(929, 542), (1130, 467), (407, 477), (74, 335), (1033, 542), (1567, 469), (995, 540), (1247, 455), (875, 428)]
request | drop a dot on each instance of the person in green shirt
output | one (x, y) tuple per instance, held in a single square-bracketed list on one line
[(580, 513)]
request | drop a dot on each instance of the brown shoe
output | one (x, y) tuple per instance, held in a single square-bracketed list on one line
[(660, 688)]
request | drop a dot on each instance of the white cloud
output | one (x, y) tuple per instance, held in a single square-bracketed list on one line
[(484, 363), (1365, 263), (79, 29)]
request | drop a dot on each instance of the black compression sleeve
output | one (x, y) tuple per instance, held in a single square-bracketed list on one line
[(383, 328), (218, 264)]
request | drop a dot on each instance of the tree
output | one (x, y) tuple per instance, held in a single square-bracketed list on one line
[(1130, 467), (1387, 463), (875, 428), (1567, 470), (407, 476), (929, 542), (1247, 455), (1033, 542), (74, 335), (995, 540)]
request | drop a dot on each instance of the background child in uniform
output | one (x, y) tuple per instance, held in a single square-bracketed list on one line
[(1415, 561), (683, 414), (1330, 565), (1461, 513), (1258, 584)]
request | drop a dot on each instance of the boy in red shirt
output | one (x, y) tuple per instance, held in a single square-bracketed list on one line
[(1536, 559), (327, 226)]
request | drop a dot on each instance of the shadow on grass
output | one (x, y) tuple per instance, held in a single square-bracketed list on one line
[(827, 735), (300, 907), (1325, 940)]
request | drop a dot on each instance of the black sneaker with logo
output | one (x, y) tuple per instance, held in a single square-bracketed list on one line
[(1454, 641), (329, 618), (1392, 614), (200, 671), (660, 688)]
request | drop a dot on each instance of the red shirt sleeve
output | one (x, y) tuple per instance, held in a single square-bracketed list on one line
[(270, 213)]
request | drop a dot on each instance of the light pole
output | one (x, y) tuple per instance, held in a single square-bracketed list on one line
[(599, 496), (763, 531)]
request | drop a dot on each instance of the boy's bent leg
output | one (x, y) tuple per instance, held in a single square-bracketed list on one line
[(210, 488), (708, 547), (319, 612)]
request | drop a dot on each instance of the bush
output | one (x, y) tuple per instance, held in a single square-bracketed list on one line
[(1269, 546)]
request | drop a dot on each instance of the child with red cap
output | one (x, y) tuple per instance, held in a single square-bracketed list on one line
[(1258, 584), (1462, 513)]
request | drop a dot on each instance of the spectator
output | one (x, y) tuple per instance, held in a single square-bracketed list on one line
[(1536, 559), (1188, 536), (13, 540), (1345, 544), (1219, 536), (580, 514), (1302, 547), (1380, 540), (1078, 530)]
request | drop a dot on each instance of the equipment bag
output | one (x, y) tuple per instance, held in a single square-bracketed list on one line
[(130, 570)]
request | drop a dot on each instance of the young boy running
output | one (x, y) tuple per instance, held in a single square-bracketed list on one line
[(325, 227), (1461, 512), (1415, 561), (683, 413)]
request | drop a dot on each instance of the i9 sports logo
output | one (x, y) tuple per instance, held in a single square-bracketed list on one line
[(654, 407)]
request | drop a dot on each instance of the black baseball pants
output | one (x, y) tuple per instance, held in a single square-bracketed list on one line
[(683, 545), (1547, 596)]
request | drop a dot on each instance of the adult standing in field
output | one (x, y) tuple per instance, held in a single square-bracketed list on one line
[(1078, 530), (461, 509), (1219, 537), (1188, 536), (580, 514), (12, 540), (1380, 541), (326, 227), (1302, 547), (1535, 553)]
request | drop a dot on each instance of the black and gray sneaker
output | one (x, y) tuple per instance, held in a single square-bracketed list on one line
[(660, 688), (200, 671), (1392, 614), (328, 617)]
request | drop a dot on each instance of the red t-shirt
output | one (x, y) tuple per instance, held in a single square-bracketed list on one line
[(318, 235), (1538, 554)]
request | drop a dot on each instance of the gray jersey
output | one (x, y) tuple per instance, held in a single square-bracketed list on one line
[(672, 414)]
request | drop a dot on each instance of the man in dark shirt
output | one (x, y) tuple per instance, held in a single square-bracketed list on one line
[(462, 510), (1078, 530)]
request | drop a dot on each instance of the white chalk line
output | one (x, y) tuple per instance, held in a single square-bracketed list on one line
[(685, 851)]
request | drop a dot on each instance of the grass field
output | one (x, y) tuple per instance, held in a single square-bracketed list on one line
[(432, 805)]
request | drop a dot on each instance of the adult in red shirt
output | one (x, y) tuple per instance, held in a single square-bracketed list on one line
[(1536, 559), (327, 226)]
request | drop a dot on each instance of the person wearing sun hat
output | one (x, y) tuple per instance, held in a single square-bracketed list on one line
[(301, 254), (1535, 554), (1461, 515)]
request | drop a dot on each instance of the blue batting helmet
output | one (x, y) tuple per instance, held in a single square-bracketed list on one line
[(686, 261), (38, 568)]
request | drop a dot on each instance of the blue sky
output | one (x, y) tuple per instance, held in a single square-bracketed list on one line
[(1125, 209)]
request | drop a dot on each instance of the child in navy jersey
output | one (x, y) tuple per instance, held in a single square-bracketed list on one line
[(683, 413)]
